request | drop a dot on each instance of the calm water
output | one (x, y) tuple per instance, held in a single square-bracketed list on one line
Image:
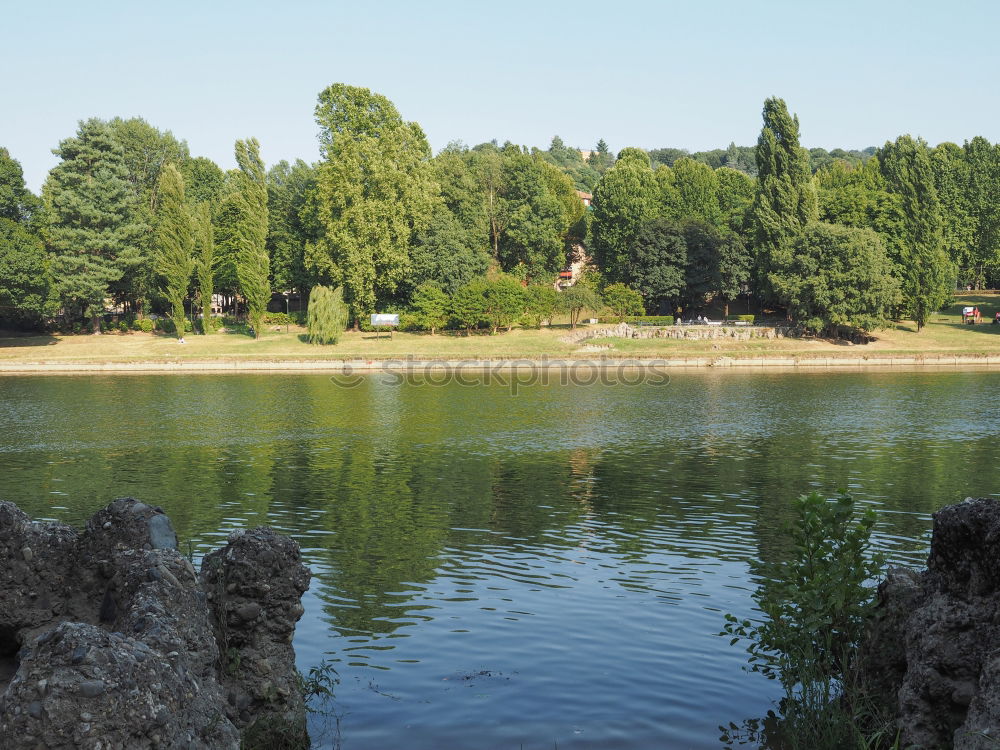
[(497, 571)]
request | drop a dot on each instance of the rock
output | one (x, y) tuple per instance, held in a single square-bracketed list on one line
[(258, 580), (932, 650), (152, 673), (161, 533)]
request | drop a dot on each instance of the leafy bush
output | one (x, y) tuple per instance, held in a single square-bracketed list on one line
[(282, 319), (650, 320), (123, 327), (145, 325), (214, 324), (622, 301), (747, 318), (430, 307), (815, 605)]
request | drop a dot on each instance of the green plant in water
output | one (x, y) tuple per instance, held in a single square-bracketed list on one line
[(815, 606)]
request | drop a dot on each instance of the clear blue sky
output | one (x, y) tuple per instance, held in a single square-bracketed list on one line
[(648, 74)]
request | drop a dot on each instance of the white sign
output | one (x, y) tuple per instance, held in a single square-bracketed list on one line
[(385, 320)]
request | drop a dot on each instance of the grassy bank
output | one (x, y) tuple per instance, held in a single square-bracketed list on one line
[(943, 336)]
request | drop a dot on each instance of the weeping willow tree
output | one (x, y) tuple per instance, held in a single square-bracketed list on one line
[(327, 316)]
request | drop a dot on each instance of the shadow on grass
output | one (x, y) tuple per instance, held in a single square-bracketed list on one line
[(11, 339)]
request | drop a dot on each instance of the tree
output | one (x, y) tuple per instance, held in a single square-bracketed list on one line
[(702, 243), (926, 272), (578, 298), (90, 205), (374, 191), (430, 305), (734, 266), (444, 252), (17, 203), (958, 226), (536, 218), (504, 298), (24, 276), (982, 188), (248, 202), (786, 198), (601, 158), (327, 315), (468, 305), (204, 255), (735, 193), (656, 263), (539, 303), (146, 151), (174, 243), (288, 187), (836, 277), (204, 180), (625, 199), (694, 193), (622, 301)]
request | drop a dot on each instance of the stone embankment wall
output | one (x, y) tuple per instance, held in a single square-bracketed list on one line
[(933, 656), (699, 332), (109, 638)]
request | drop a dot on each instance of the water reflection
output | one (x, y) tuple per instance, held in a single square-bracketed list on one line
[(543, 568)]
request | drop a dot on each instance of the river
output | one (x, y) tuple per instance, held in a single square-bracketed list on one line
[(498, 570)]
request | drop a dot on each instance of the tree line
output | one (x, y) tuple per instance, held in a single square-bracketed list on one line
[(832, 239)]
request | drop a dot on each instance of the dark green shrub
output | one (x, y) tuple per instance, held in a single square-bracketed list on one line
[(650, 320), (283, 319), (747, 318), (123, 327), (145, 325)]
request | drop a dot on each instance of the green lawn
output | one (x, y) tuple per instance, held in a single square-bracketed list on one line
[(944, 335)]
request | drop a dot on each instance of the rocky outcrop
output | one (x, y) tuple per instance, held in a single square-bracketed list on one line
[(109, 638), (934, 649)]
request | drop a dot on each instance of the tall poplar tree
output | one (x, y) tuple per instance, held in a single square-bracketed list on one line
[(173, 243), (786, 198), (373, 192), (926, 272), (248, 203), (204, 256), (90, 206)]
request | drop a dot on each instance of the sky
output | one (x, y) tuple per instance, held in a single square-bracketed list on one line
[(649, 74)]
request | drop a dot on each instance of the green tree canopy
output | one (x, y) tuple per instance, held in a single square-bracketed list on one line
[(468, 305), (657, 262), (926, 273), (374, 191), (174, 243), (24, 276), (430, 306), (539, 304), (577, 298), (92, 232), (247, 205), (625, 200), (622, 301), (835, 277), (505, 300), (786, 198)]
